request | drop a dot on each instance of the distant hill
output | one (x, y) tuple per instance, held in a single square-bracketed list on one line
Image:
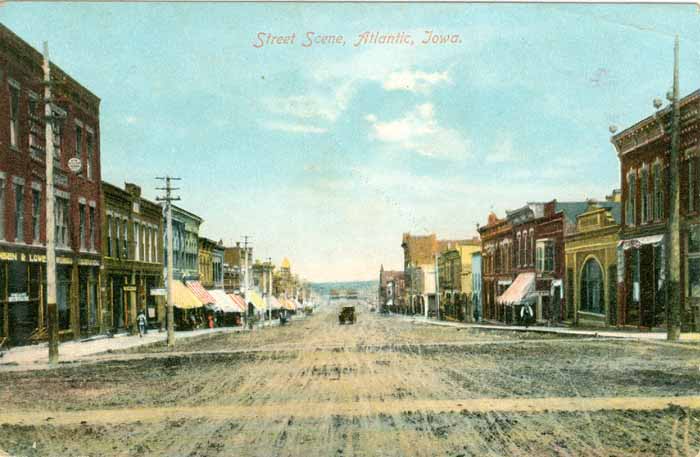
[(363, 288)]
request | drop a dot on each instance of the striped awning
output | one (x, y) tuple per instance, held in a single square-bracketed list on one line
[(239, 302), (224, 301), (200, 292), (257, 301), (520, 292), (183, 297)]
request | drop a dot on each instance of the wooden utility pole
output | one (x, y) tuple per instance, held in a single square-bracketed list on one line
[(168, 199), (673, 242), (52, 309)]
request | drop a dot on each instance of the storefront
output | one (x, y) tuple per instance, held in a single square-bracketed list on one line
[(23, 316)]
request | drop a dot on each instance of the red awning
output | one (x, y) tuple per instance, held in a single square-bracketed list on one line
[(521, 291), (239, 301), (200, 292)]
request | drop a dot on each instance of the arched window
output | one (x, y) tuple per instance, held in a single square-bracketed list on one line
[(592, 287)]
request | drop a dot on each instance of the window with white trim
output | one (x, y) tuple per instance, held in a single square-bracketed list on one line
[(90, 144), (92, 228), (19, 212), (14, 115), (545, 255), (693, 259), (645, 197), (36, 214), (83, 220), (61, 214), (2, 208), (631, 202), (137, 253)]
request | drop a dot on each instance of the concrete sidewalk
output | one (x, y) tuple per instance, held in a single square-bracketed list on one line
[(72, 351), (603, 333)]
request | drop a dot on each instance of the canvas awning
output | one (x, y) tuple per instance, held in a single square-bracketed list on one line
[(642, 240), (183, 297), (224, 301), (274, 303), (257, 301), (200, 292), (520, 292), (239, 302)]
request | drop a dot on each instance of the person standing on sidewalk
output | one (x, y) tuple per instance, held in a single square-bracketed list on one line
[(143, 324)]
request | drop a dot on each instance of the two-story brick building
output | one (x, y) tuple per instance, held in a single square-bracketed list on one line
[(644, 154), (132, 248), (76, 110)]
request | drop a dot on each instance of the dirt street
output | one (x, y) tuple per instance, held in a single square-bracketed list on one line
[(381, 387)]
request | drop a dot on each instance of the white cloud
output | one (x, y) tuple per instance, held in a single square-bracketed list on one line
[(419, 131), (503, 151), (131, 120), (414, 80), (294, 128)]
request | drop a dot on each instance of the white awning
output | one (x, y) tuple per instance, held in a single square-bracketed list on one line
[(642, 240)]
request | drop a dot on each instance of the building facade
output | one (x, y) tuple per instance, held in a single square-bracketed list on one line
[(644, 154), (205, 261), (390, 283), (132, 248), (185, 245), (497, 273), (591, 265), (234, 266), (23, 310), (455, 282), (477, 305)]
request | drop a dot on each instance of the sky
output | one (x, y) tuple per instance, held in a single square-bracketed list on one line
[(327, 154)]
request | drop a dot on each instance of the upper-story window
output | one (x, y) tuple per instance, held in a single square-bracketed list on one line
[(109, 236), (83, 228), (137, 239), (36, 213), (90, 143), (532, 247), (92, 227), (61, 210), (525, 249), (2, 207), (36, 137), (658, 178), (692, 189), (78, 152), (14, 114), (545, 255), (631, 202), (645, 197), (518, 248), (19, 212)]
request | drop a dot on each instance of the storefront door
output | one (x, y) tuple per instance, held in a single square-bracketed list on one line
[(118, 302)]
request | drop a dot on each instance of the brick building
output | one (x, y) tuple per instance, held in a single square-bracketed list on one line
[(644, 154), (390, 291), (22, 198), (496, 269), (132, 249)]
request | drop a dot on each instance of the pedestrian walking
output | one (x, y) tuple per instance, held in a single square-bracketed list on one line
[(210, 318), (143, 322), (526, 314)]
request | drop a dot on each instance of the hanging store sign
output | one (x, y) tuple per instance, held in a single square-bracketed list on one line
[(129, 288), (17, 297), (158, 292)]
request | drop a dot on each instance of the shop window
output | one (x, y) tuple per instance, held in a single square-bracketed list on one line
[(694, 261), (36, 214), (63, 274), (125, 246), (19, 212), (14, 116), (592, 287)]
